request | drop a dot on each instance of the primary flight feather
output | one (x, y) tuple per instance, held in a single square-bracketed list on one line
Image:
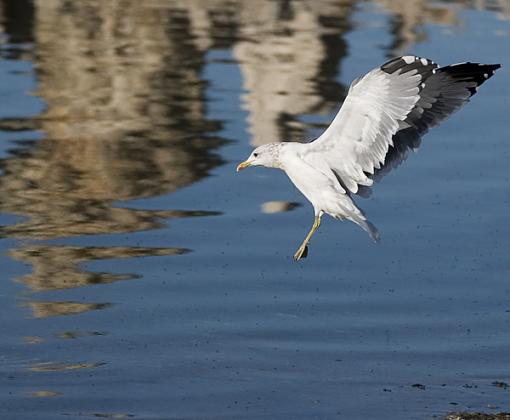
[(383, 116)]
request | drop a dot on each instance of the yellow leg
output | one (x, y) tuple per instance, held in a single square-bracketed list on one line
[(303, 249)]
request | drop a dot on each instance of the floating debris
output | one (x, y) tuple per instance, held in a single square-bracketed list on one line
[(500, 384)]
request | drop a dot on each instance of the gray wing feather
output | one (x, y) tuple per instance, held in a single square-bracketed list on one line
[(445, 91)]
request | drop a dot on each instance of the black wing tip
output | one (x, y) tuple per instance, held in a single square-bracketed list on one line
[(408, 61), (476, 73), (468, 67), (414, 61), (493, 67)]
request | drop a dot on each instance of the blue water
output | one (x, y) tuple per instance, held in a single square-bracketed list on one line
[(144, 278)]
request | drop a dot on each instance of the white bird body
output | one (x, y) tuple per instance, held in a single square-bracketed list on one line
[(384, 115), (311, 175)]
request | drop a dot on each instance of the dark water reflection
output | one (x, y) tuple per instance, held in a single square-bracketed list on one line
[(116, 120)]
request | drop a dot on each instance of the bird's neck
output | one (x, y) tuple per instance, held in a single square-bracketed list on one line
[(287, 151)]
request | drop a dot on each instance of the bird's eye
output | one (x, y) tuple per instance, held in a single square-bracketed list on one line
[(255, 154)]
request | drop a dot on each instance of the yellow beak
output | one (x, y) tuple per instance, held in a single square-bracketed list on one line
[(243, 165)]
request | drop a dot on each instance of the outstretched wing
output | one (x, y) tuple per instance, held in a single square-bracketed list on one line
[(405, 141), (407, 93)]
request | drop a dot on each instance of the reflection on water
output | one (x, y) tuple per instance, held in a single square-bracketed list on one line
[(33, 339), (104, 415), (410, 16), (289, 59), (59, 367), (72, 335), (16, 26), (126, 117), (41, 309), (57, 267), (290, 52), (45, 394), (278, 206)]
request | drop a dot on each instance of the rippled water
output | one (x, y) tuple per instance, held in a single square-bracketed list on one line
[(143, 278)]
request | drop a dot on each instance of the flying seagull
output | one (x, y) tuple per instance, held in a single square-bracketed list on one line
[(383, 116)]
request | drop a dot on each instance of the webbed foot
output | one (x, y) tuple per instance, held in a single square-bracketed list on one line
[(302, 252)]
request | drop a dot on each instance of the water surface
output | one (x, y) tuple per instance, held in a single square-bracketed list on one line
[(143, 278)]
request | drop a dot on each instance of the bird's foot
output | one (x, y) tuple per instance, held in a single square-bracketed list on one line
[(302, 252)]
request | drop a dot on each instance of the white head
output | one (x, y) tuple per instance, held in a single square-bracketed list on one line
[(266, 155)]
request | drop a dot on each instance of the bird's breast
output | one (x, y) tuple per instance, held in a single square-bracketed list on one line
[(313, 184)]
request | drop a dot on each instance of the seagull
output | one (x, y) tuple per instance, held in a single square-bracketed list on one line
[(383, 116)]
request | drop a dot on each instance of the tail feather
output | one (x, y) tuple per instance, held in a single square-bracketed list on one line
[(346, 209), (368, 227)]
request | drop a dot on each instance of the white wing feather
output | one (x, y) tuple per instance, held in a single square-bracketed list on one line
[(359, 137)]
